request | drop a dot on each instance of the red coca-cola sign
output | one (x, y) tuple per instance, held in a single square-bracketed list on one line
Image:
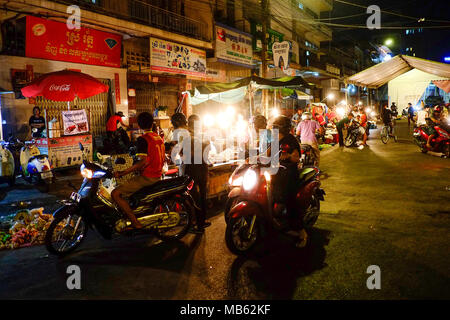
[(60, 88), (47, 39)]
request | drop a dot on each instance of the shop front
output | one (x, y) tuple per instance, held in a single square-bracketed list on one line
[(49, 47)]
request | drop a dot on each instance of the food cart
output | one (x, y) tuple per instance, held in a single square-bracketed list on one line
[(231, 122)]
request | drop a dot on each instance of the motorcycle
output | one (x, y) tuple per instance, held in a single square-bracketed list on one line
[(7, 165), (253, 214), (34, 167), (440, 144), (355, 132), (165, 209)]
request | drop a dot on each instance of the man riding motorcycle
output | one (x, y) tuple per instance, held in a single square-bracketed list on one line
[(435, 120), (286, 180), (150, 149)]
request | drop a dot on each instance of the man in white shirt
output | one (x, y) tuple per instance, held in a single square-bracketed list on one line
[(422, 115)]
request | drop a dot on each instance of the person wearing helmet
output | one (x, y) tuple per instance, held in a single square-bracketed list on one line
[(435, 120), (286, 180), (307, 131)]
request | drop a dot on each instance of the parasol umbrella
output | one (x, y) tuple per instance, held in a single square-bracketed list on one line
[(64, 85)]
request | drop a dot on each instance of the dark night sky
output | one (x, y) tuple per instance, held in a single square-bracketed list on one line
[(436, 39)]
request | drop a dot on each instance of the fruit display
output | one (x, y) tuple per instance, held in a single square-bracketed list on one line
[(26, 228)]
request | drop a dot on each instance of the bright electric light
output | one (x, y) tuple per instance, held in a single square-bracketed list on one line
[(231, 111), (250, 179), (368, 110), (387, 57), (373, 114), (223, 121), (388, 42), (330, 96), (236, 182), (343, 102), (275, 112), (208, 120), (267, 176), (340, 112)]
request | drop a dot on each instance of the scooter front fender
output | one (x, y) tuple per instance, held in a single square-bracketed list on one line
[(235, 192), (244, 208)]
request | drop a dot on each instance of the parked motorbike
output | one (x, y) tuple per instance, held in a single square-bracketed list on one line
[(165, 209), (307, 157), (34, 167), (355, 132), (252, 215), (7, 165), (440, 144)]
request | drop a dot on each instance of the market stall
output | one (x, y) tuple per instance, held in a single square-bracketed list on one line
[(226, 121), (64, 133)]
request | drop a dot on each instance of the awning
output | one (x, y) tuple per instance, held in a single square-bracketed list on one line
[(380, 74), (442, 84), (260, 83)]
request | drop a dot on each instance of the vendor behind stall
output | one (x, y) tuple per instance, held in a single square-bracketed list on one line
[(37, 122), (113, 121)]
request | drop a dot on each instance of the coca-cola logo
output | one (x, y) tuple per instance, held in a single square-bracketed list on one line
[(61, 88)]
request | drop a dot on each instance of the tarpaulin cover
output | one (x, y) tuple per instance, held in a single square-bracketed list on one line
[(229, 97), (260, 83), (443, 84), (380, 74)]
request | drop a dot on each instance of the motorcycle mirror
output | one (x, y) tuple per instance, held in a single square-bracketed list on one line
[(81, 146), (120, 161)]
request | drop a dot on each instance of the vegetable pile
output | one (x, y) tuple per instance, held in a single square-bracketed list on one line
[(23, 229)]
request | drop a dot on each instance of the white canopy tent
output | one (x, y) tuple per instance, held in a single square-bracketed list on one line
[(407, 78)]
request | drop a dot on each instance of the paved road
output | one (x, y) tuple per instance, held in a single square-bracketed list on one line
[(386, 205)]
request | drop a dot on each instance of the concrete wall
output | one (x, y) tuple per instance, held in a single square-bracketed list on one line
[(20, 110)]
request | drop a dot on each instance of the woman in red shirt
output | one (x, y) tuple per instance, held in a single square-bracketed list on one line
[(364, 124)]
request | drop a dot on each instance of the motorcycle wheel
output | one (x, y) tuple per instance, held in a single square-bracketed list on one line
[(312, 213), (446, 151), (423, 150), (62, 238), (185, 212), (349, 141), (12, 180), (236, 235), (231, 202)]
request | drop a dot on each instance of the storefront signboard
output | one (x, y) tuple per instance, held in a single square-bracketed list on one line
[(52, 40), (233, 46), (170, 57)]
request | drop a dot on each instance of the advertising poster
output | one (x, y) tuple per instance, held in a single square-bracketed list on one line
[(75, 122), (52, 40), (65, 151), (166, 56), (233, 46)]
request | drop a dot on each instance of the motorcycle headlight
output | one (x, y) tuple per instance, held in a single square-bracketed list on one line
[(86, 173), (250, 179), (236, 182)]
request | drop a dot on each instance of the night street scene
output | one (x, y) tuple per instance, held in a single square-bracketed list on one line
[(233, 152)]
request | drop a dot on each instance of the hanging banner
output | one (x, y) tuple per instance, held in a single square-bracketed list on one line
[(170, 57), (75, 122), (52, 40), (233, 46)]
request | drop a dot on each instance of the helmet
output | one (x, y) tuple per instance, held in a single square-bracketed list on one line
[(307, 116), (259, 121), (437, 109), (178, 120), (283, 124)]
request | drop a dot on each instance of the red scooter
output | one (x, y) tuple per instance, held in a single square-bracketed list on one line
[(253, 214), (440, 144)]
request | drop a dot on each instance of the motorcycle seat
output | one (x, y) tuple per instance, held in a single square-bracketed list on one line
[(161, 186), (306, 175)]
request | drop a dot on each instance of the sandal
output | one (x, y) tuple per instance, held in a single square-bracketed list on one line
[(303, 242)]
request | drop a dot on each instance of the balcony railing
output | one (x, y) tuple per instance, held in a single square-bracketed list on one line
[(147, 14)]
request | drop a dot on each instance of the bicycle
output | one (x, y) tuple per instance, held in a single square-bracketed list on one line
[(385, 136)]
